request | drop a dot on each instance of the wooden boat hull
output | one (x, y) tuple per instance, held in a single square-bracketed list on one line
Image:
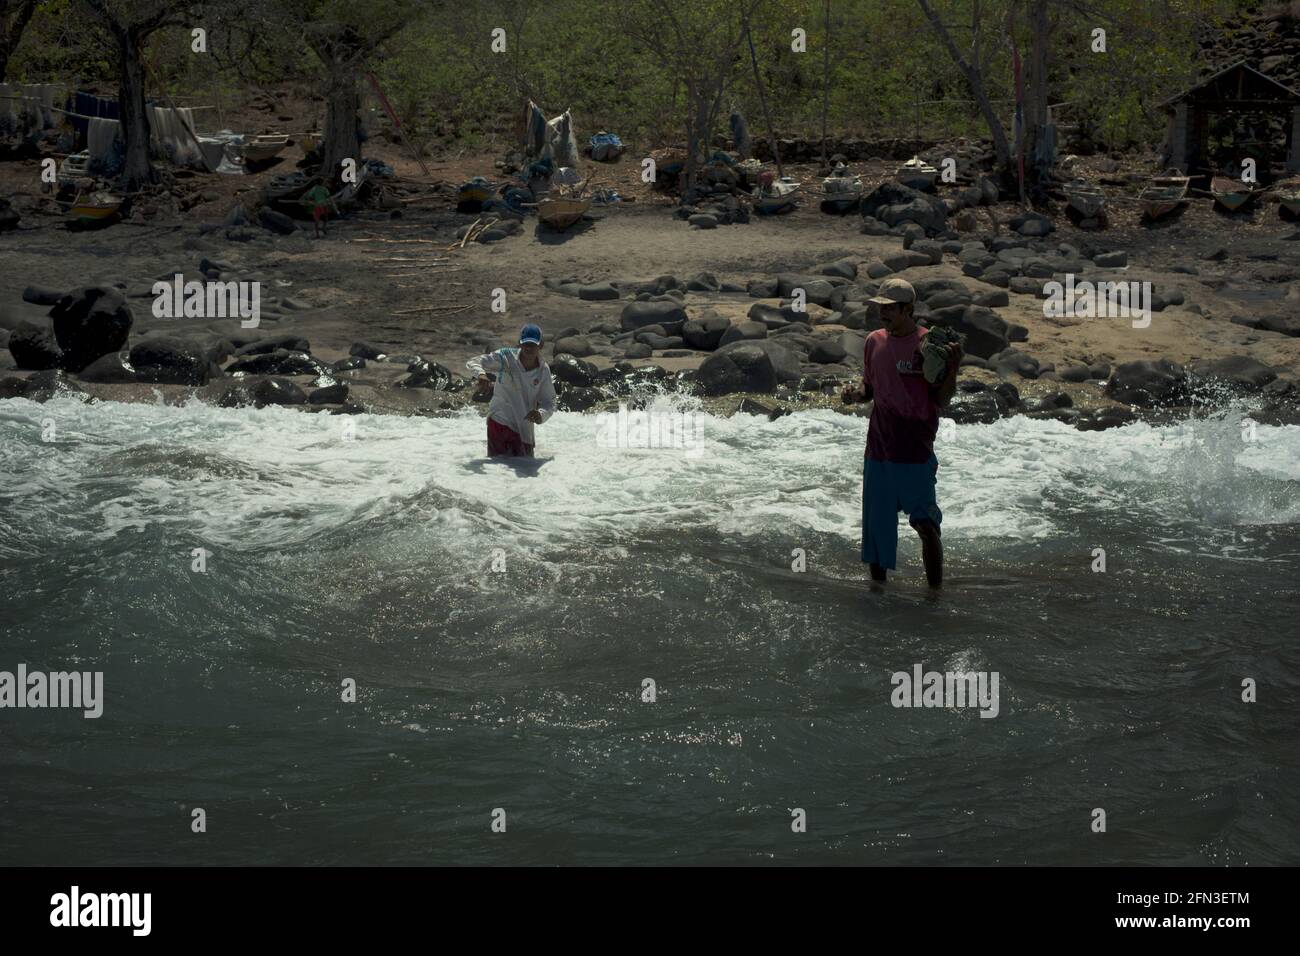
[(1232, 199), (1163, 197), (772, 205), (1158, 209), (260, 154), (838, 202), (263, 149), (1088, 203), (94, 213), (781, 199), (473, 194), (922, 182), (1291, 204), (562, 213)]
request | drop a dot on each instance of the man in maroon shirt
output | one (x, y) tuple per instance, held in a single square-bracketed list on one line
[(899, 470)]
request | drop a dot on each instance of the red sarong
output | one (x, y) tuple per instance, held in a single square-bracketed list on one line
[(503, 440)]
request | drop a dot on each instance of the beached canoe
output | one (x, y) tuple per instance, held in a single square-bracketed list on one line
[(841, 190), (780, 196), (1290, 202), (1085, 198), (916, 173), (263, 148), (562, 213), (1163, 195), (75, 166), (96, 207), (1231, 194), (476, 190)]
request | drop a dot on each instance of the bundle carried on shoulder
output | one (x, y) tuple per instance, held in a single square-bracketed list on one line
[(934, 352)]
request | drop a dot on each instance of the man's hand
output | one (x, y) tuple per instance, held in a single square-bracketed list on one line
[(857, 392), (484, 385), (534, 416), (954, 357)]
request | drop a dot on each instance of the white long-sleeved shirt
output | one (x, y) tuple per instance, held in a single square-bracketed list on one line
[(517, 391)]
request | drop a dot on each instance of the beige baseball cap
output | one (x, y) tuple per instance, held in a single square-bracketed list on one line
[(893, 291)]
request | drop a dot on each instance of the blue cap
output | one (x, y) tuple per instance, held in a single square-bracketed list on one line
[(530, 334)]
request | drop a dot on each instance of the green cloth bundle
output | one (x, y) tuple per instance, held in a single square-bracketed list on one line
[(934, 352)]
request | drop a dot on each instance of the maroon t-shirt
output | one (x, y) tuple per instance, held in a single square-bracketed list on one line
[(905, 416)]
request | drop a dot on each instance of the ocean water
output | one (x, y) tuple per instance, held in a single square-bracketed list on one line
[(499, 622)]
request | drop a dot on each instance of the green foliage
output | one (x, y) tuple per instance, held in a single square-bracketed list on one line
[(889, 74)]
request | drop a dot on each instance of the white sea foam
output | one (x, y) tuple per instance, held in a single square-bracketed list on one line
[(277, 477)]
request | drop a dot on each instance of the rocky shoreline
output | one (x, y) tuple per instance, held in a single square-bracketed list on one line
[(763, 342)]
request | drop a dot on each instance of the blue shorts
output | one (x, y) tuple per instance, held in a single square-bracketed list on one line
[(888, 488)]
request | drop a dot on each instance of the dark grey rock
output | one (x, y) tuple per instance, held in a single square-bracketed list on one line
[(983, 407), (742, 369), (108, 369), (1238, 373), (170, 361), (34, 346), (667, 313), (272, 343), (91, 322), (276, 391), (705, 333), (1148, 383), (743, 330), (279, 362), (335, 394), (597, 292), (39, 295)]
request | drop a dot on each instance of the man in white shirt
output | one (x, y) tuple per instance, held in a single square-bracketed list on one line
[(522, 396)]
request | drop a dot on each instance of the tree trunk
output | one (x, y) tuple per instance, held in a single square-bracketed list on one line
[(1036, 101), (826, 76), (976, 81), (137, 168), (692, 140), (340, 136), (13, 20)]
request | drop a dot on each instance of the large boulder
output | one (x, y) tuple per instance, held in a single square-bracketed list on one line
[(815, 290), (574, 345), (743, 330), (108, 369), (426, 375), (573, 371), (34, 346), (894, 204), (169, 361), (48, 384), (986, 333), (279, 362), (262, 346), (1238, 373), (781, 353), (744, 368), (666, 312), (705, 333), (827, 352), (983, 408), (1148, 383), (277, 391), (89, 323)]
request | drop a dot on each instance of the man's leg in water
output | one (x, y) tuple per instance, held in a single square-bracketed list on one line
[(879, 518), (922, 507)]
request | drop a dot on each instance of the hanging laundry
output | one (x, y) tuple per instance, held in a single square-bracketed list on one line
[(105, 146), (169, 138)]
